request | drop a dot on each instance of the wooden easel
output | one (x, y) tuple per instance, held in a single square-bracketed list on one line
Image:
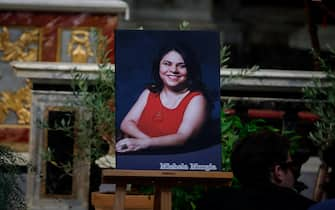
[(163, 182)]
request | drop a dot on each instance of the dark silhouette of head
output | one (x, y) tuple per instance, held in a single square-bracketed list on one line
[(254, 156)]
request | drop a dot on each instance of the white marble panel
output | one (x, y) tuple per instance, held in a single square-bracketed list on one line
[(100, 6), (36, 199)]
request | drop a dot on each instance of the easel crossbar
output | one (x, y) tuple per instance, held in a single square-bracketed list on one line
[(166, 174)]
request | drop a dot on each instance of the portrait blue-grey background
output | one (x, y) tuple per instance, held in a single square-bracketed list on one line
[(134, 54)]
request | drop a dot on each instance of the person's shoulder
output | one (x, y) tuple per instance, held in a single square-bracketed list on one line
[(196, 96), (196, 93), (144, 96), (145, 93), (296, 200), (219, 198), (324, 205), (264, 197)]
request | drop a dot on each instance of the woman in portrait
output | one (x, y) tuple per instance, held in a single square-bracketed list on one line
[(171, 110)]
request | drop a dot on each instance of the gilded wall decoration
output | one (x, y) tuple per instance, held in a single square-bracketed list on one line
[(18, 44), (79, 47), (25, 48), (18, 102)]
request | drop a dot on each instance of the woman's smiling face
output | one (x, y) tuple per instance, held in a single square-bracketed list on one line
[(172, 70)]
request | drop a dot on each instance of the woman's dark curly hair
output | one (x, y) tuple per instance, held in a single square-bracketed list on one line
[(194, 82)]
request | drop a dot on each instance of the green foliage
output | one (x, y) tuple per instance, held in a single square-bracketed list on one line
[(95, 96), (185, 198), (184, 25), (99, 102), (232, 129), (294, 140), (11, 196), (232, 126), (224, 56), (321, 101)]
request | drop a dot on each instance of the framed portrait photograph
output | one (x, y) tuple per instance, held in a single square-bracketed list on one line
[(167, 100)]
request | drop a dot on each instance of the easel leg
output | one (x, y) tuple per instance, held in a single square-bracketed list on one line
[(163, 198), (319, 193), (120, 194)]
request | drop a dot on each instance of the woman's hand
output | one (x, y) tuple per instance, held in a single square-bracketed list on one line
[(132, 144)]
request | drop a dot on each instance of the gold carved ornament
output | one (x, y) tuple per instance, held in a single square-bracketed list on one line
[(21, 49), (79, 47), (19, 102)]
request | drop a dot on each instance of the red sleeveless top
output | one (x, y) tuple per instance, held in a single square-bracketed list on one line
[(157, 120)]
